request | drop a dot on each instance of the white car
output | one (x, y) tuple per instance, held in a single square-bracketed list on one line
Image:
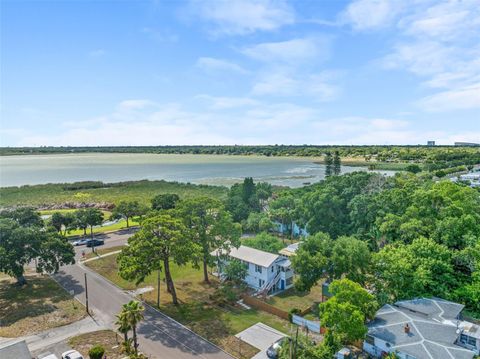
[(72, 354), (80, 242)]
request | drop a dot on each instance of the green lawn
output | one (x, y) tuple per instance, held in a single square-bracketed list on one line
[(142, 191), (49, 212), (197, 310), (121, 224), (40, 305), (291, 298)]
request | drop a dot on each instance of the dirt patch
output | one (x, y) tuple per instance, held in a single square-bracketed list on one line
[(238, 348), (39, 305), (108, 339)]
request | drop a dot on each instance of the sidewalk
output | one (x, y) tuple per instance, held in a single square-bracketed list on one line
[(56, 335), (98, 257)]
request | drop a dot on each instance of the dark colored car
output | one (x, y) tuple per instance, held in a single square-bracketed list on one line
[(274, 349), (95, 242)]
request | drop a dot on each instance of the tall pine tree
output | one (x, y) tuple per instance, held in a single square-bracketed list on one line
[(328, 164), (337, 165)]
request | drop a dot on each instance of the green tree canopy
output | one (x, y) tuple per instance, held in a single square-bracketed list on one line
[(265, 242), (210, 226), (162, 238), (20, 245), (311, 260), (235, 271), (24, 216), (345, 313), (422, 268), (165, 201), (127, 210)]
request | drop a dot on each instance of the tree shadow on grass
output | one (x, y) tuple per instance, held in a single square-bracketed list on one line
[(38, 297)]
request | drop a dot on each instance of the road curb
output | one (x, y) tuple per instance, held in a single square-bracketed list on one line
[(155, 309)]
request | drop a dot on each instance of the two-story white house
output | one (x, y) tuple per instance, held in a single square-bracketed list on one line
[(268, 273)]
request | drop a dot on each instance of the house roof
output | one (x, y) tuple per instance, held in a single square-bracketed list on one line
[(251, 255), (17, 349), (432, 333), (289, 250)]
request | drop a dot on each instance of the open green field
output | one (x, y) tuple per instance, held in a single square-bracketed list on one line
[(197, 310), (40, 305), (43, 196)]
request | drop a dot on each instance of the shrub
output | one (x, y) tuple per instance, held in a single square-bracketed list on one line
[(96, 352), (293, 311)]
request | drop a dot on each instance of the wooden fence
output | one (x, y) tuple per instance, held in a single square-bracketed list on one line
[(258, 304)]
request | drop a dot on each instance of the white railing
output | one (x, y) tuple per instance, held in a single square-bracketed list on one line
[(267, 286)]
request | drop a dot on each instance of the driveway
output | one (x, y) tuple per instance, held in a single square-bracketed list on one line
[(159, 335), (260, 336)]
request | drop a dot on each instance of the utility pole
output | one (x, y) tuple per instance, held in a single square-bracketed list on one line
[(296, 343), (86, 293)]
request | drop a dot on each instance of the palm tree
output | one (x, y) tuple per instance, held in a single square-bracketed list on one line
[(123, 324), (134, 314)]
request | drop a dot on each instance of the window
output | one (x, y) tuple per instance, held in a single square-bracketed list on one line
[(370, 340), (260, 282), (468, 340), (272, 269), (258, 268)]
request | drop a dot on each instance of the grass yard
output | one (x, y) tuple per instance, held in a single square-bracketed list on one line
[(121, 224), (197, 311), (291, 298), (108, 339), (41, 304), (142, 191), (49, 212)]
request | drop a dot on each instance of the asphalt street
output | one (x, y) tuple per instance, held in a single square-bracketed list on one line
[(159, 335)]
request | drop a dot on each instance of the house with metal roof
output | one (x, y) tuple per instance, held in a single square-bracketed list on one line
[(267, 273), (424, 328)]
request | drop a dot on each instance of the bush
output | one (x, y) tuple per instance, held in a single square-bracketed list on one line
[(96, 352), (293, 311)]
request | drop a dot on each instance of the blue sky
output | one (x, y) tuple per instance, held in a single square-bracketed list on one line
[(239, 72)]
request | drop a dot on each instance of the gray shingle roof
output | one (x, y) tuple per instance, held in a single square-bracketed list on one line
[(250, 255), (15, 349), (433, 328)]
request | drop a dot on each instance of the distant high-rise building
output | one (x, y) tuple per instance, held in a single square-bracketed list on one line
[(471, 144), (430, 143)]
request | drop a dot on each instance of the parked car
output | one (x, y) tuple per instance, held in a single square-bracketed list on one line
[(72, 354), (274, 349), (80, 242), (95, 242)]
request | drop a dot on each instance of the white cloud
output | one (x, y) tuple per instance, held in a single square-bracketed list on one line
[(371, 14), (240, 17), (135, 104), (459, 98), (294, 51), (323, 86), (210, 64), (161, 36), (221, 103), (438, 41)]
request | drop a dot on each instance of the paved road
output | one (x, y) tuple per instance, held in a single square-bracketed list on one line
[(159, 336)]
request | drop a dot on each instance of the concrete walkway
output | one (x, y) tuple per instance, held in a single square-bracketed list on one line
[(59, 334), (100, 256)]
